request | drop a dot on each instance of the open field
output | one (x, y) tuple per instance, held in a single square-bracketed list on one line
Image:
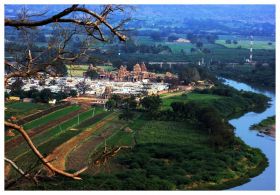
[(201, 98), (43, 121), (54, 130), (22, 109), (49, 140), (60, 153), (78, 70), (243, 37), (81, 154), (246, 44), (179, 47), (15, 141)]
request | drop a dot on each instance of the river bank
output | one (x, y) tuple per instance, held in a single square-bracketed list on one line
[(266, 180), (266, 126)]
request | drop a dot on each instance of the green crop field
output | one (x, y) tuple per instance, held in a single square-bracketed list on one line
[(178, 47), (48, 118), (22, 109), (60, 128), (201, 98), (107, 68), (78, 70), (167, 132), (57, 135), (246, 44), (242, 37)]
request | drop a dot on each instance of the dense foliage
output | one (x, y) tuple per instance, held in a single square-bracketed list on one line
[(42, 96)]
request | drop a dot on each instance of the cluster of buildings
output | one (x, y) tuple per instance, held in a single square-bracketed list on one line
[(99, 88), (139, 73), (138, 82)]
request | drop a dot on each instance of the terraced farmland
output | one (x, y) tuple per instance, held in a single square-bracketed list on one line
[(22, 109), (55, 129), (40, 125)]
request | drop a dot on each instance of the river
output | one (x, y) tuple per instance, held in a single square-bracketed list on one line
[(266, 180)]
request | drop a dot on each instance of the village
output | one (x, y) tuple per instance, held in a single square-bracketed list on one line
[(139, 82)]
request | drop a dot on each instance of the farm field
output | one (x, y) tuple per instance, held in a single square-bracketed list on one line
[(80, 155), (47, 118), (246, 44), (53, 137), (200, 98), (54, 130), (60, 153), (174, 46), (179, 47), (243, 37), (22, 109), (78, 70), (43, 123)]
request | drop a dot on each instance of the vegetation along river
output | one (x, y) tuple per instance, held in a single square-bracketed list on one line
[(266, 180)]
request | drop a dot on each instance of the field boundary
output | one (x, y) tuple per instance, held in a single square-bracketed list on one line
[(60, 153), (34, 116)]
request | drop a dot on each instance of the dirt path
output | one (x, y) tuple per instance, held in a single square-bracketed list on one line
[(59, 154), (35, 131), (78, 158)]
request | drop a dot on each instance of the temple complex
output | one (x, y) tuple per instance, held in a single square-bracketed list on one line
[(139, 73)]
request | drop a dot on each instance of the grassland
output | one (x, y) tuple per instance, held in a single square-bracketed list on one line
[(201, 98), (246, 44), (179, 47), (78, 70), (243, 37), (22, 109)]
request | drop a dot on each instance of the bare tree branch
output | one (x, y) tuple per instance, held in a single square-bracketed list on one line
[(23, 23), (38, 154), (101, 19), (19, 170)]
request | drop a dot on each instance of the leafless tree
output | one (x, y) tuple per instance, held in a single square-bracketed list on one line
[(70, 22)]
